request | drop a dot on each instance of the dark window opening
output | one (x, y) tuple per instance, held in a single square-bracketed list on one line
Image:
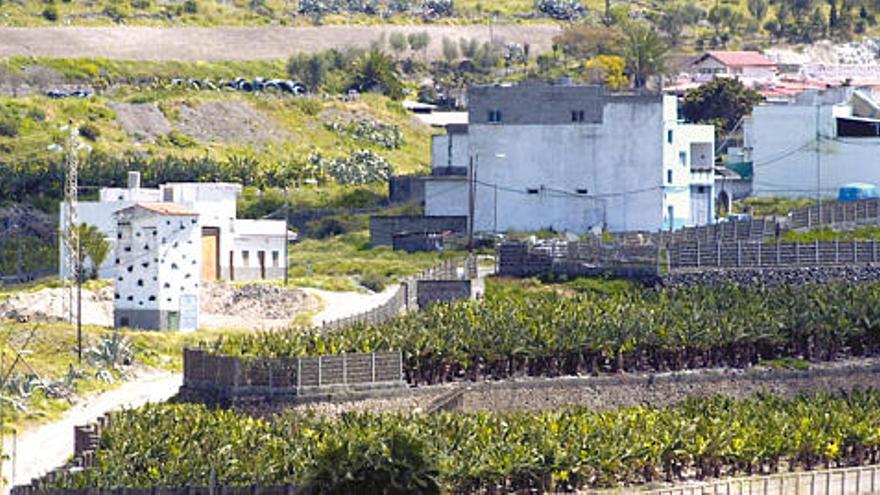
[(145, 264), (154, 233), (495, 116), (116, 296), (168, 299), (669, 136), (174, 266), (582, 191), (127, 249), (152, 298), (117, 261), (146, 247), (175, 244), (123, 321), (857, 128), (119, 235), (130, 298), (130, 269), (532, 190), (167, 285), (577, 116), (140, 282), (138, 234), (120, 279), (193, 221), (669, 176), (140, 303)]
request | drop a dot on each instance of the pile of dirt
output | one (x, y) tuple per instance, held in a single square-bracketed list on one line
[(143, 121), (252, 306), (221, 306), (53, 305), (227, 121)]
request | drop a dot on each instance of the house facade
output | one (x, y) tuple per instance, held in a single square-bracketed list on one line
[(573, 158), (232, 248), (814, 145), (746, 65), (157, 263)]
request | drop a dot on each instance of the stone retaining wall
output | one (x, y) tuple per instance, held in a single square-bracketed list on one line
[(773, 276)]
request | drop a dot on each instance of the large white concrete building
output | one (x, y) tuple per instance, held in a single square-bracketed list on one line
[(815, 145), (572, 158), (157, 265), (232, 248)]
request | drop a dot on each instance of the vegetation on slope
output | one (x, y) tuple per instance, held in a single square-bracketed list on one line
[(562, 450), (522, 332)]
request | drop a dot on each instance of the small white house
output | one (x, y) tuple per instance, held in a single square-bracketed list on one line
[(746, 65), (232, 249), (573, 158), (157, 267)]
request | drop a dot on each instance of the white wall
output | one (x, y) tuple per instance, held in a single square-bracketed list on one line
[(446, 196), (784, 151), (157, 261), (440, 150)]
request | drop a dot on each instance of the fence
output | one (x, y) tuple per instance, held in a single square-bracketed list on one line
[(233, 377), (833, 213), (757, 229), (739, 254), (522, 259), (845, 481)]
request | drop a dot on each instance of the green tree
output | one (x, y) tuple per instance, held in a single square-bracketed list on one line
[(376, 71), (644, 52), (675, 17), (310, 70), (397, 41), (758, 9), (450, 50), (93, 246), (583, 41), (722, 102), (418, 42)]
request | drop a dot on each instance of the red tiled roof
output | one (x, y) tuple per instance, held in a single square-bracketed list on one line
[(740, 59), (171, 209)]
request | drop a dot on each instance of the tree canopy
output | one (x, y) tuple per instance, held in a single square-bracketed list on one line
[(722, 102)]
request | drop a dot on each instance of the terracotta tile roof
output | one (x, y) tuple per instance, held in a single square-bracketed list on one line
[(171, 209), (740, 59)]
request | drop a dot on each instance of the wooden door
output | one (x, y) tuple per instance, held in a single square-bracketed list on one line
[(261, 257), (210, 253)]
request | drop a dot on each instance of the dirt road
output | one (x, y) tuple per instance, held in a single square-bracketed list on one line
[(45, 447), (232, 43), (338, 305)]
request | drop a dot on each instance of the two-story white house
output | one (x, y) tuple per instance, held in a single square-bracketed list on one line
[(232, 248), (573, 158)]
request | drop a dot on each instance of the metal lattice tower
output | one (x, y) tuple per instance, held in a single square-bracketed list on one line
[(71, 219)]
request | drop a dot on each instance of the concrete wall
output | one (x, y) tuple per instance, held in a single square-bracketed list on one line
[(440, 291), (406, 189), (383, 229), (448, 196), (444, 146)]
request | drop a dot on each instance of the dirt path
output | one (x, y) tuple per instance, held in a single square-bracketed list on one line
[(45, 447), (337, 305), (232, 43)]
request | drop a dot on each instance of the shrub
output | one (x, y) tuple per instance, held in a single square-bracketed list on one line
[(361, 167), (373, 281), (90, 132), (50, 13), (191, 7), (9, 125), (181, 140), (372, 131), (567, 10)]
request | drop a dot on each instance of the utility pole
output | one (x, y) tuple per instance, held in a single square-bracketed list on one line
[(71, 233), (286, 237), (472, 190), (818, 162)]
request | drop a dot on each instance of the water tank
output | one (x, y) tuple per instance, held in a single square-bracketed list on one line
[(856, 191), (134, 180)]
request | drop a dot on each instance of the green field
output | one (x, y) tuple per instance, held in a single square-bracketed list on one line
[(552, 451)]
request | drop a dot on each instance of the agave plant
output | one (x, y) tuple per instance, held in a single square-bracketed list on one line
[(112, 352)]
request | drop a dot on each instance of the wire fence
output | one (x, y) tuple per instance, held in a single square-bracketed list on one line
[(740, 254), (836, 213)]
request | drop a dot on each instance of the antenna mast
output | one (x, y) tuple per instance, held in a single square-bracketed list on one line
[(71, 218)]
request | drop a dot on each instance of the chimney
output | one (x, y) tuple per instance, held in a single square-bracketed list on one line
[(134, 180)]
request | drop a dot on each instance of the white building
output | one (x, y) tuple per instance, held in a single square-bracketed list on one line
[(748, 66), (232, 249), (157, 264), (814, 145), (572, 158)]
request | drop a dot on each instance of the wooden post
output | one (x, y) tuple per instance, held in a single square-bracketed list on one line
[(319, 371), (373, 366)]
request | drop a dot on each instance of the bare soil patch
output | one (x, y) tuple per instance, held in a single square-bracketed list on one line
[(221, 306), (226, 121), (143, 121)]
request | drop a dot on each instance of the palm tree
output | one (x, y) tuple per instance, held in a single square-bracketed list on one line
[(376, 71), (94, 246), (644, 51)]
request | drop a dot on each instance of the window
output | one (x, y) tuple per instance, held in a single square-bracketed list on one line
[(683, 158), (669, 136), (168, 195), (245, 258), (532, 190), (577, 115), (275, 257), (582, 191), (669, 176), (857, 128), (494, 116)]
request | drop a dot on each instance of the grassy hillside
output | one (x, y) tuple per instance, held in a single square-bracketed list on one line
[(214, 124)]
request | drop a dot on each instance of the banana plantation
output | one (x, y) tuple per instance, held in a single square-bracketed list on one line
[(517, 332), (191, 445)]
